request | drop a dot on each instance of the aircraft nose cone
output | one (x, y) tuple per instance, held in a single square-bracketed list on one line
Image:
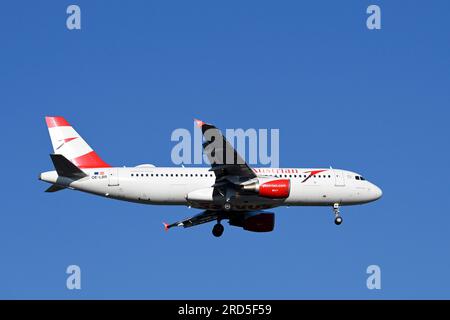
[(377, 192)]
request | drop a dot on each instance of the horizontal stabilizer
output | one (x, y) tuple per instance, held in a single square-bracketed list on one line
[(54, 188), (65, 168)]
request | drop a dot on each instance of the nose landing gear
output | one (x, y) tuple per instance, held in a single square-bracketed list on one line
[(338, 218)]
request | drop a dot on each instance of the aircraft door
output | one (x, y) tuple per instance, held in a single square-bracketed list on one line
[(113, 177), (339, 178)]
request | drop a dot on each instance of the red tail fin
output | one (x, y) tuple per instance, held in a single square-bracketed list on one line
[(70, 144)]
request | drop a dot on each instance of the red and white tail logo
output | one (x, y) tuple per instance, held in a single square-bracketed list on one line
[(70, 144)]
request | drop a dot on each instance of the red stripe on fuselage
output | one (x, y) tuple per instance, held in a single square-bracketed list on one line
[(56, 122), (90, 160), (312, 173)]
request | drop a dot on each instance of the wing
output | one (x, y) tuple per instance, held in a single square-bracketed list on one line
[(232, 175), (225, 160)]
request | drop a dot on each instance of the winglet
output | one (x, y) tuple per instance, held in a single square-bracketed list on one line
[(166, 226), (198, 123)]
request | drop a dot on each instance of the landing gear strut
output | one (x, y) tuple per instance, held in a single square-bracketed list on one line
[(217, 230), (338, 218)]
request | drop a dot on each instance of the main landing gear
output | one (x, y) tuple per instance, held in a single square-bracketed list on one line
[(217, 229), (338, 218)]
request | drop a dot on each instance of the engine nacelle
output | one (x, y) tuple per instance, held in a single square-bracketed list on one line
[(274, 189), (256, 222)]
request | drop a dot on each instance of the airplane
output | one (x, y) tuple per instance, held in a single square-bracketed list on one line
[(227, 190)]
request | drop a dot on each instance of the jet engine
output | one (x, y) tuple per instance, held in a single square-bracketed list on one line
[(255, 221), (274, 189)]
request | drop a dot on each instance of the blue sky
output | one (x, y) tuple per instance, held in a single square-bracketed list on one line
[(375, 102)]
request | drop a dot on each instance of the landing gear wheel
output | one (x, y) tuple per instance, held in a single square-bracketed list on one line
[(338, 219), (217, 230), (227, 206)]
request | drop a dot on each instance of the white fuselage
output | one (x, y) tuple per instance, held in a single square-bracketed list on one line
[(193, 186)]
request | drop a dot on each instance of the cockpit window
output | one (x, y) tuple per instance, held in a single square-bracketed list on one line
[(362, 178), (357, 177)]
